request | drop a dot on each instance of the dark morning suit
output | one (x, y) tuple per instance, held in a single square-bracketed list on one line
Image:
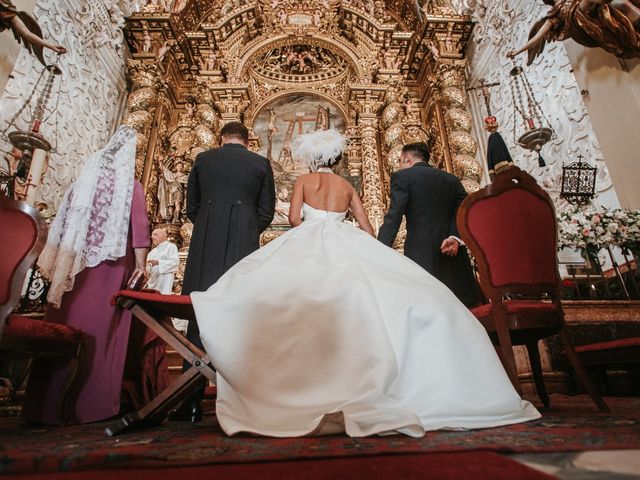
[(429, 199), (231, 201)]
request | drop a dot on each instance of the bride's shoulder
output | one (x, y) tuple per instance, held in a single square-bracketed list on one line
[(304, 177)]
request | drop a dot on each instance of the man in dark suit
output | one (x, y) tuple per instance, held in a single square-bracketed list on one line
[(231, 201), (429, 198)]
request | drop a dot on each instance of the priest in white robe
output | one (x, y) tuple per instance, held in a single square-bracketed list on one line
[(162, 264)]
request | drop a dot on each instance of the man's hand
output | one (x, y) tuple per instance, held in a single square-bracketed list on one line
[(450, 246), (152, 263)]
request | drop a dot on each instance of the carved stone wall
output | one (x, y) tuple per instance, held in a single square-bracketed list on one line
[(503, 25), (92, 91)]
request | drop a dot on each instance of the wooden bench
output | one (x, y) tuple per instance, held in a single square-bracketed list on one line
[(615, 354)]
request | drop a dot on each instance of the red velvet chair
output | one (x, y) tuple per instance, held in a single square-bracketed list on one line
[(510, 228), (22, 236)]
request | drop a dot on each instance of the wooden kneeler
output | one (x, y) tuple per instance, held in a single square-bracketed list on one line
[(155, 311)]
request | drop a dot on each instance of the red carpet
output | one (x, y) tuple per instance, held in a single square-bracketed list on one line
[(454, 466), (573, 424)]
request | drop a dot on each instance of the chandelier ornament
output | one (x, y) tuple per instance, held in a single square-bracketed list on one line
[(537, 130), (30, 142)]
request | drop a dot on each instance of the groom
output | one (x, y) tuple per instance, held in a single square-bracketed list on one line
[(429, 198), (231, 201)]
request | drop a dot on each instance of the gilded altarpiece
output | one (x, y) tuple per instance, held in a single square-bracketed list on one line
[(384, 73)]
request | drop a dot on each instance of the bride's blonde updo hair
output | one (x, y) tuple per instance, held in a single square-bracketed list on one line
[(322, 148)]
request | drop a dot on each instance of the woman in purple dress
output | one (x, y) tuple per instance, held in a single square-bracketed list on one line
[(99, 239)]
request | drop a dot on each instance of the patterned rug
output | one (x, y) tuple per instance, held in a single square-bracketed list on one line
[(572, 424), (474, 465)]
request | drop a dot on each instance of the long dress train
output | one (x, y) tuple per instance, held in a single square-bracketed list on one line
[(327, 320)]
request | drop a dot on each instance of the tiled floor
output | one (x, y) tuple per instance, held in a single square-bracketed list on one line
[(607, 464)]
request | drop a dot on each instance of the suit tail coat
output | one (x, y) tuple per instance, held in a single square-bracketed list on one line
[(231, 201)]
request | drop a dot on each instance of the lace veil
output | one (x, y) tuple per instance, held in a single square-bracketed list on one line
[(92, 223)]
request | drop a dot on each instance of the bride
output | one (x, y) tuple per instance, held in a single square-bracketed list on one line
[(325, 329)]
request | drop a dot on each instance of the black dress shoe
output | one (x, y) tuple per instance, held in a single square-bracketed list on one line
[(187, 412)]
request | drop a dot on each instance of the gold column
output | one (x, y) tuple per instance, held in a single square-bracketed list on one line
[(367, 100), (142, 102), (371, 174), (454, 123)]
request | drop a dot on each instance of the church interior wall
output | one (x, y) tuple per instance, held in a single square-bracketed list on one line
[(9, 49), (91, 100), (502, 26), (611, 94)]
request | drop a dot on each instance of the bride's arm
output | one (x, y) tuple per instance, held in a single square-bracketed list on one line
[(361, 216), (295, 206)]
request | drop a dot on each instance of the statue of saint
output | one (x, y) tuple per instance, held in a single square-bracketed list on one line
[(281, 216), (613, 25), (172, 187)]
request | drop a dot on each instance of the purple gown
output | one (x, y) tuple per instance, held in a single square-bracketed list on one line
[(95, 395)]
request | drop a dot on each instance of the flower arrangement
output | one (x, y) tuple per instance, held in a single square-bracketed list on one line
[(596, 229)]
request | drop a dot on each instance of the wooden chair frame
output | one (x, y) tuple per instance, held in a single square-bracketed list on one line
[(38, 349), (28, 260), (156, 316), (506, 326)]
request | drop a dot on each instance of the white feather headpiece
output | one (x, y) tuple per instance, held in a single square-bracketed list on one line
[(318, 148)]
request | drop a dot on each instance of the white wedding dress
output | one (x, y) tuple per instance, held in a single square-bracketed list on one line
[(327, 320)]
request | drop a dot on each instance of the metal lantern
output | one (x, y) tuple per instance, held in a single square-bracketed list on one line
[(578, 182), (537, 130)]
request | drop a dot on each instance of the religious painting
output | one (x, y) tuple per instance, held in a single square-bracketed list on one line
[(277, 125)]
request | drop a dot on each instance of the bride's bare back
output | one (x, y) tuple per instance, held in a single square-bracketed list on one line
[(326, 191)]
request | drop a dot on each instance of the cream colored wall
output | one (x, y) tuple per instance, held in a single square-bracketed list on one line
[(611, 93), (503, 25), (89, 98), (9, 48)]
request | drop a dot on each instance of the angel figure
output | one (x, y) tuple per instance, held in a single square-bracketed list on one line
[(146, 41), (435, 53), (190, 108), (613, 25), (26, 30), (162, 51)]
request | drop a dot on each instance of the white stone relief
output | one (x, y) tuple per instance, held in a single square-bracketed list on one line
[(92, 88), (501, 26)]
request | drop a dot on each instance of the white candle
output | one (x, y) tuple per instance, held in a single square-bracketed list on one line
[(36, 172)]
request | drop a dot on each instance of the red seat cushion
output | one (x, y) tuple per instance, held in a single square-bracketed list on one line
[(613, 344), (177, 306), (515, 307), (26, 327)]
